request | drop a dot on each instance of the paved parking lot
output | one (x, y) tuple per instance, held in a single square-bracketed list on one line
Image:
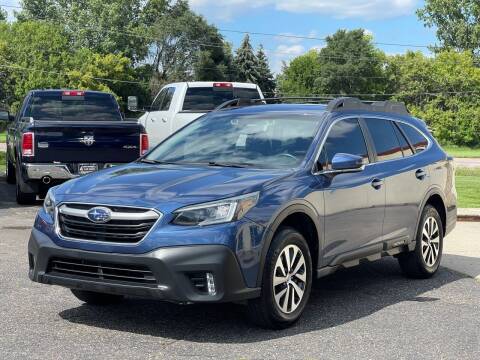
[(367, 312)]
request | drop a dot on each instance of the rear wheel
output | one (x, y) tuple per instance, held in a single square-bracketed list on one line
[(94, 298), (24, 198), (286, 284), (424, 261), (10, 170)]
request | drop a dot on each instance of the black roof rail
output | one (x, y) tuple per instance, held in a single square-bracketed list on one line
[(349, 103), (274, 100)]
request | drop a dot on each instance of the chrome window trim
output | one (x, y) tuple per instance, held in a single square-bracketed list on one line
[(358, 117), (66, 238)]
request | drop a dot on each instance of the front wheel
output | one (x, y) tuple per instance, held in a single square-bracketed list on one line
[(94, 298), (424, 261), (287, 282)]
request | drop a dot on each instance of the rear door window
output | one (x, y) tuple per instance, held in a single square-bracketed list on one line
[(345, 136), (167, 100), (157, 103), (384, 139), (407, 150), (418, 141)]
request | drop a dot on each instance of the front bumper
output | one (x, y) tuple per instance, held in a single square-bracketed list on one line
[(172, 268)]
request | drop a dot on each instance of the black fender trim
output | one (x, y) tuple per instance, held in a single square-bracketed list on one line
[(299, 206)]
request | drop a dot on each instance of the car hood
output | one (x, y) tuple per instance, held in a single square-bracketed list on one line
[(165, 187)]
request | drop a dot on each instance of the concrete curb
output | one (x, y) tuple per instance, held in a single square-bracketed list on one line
[(468, 215)]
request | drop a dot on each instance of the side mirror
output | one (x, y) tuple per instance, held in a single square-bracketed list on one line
[(132, 103), (4, 115), (342, 163)]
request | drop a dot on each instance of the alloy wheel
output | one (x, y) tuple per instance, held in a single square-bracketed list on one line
[(289, 279), (430, 241)]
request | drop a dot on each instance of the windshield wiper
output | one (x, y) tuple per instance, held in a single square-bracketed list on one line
[(157, 162), (229, 164)]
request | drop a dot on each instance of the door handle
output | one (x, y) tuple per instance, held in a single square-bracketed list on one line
[(420, 174), (164, 120), (377, 183)]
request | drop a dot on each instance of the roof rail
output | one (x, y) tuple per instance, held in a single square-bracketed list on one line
[(349, 103), (274, 100)]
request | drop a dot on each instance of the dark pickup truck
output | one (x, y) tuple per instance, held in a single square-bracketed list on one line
[(62, 134)]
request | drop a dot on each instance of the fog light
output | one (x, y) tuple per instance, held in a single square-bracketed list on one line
[(211, 285)]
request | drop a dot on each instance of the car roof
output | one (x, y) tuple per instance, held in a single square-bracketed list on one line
[(193, 84)]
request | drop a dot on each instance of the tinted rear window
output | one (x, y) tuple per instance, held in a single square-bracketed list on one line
[(91, 107), (418, 141), (208, 98), (384, 138)]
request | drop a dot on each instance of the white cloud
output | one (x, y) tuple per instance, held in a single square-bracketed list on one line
[(364, 9)]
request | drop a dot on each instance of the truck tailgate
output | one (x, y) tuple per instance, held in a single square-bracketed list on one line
[(88, 142)]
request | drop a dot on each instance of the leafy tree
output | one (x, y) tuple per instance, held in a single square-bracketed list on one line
[(265, 80), (350, 64), (457, 23), (443, 91), (298, 78), (115, 26), (247, 62), (3, 15)]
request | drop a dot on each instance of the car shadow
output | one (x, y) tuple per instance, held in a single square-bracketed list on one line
[(343, 297), (7, 196)]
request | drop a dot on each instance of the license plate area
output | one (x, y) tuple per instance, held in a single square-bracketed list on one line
[(84, 169)]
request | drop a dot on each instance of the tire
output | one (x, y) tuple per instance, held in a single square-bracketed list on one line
[(94, 298), (266, 311), (10, 170), (24, 198), (424, 261)]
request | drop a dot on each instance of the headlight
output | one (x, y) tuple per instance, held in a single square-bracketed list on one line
[(216, 212), (49, 203)]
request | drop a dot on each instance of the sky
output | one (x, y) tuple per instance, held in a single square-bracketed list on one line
[(388, 21)]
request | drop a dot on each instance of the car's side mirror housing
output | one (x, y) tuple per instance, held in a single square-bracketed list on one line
[(346, 162), (5, 115), (132, 103)]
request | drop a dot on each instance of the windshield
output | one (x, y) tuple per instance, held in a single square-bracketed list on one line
[(91, 107), (208, 98), (259, 140)]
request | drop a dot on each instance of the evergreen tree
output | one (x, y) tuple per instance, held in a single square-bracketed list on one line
[(266, 80), (247, 62)]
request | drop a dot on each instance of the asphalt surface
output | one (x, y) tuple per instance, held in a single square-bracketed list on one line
[(369, 312)]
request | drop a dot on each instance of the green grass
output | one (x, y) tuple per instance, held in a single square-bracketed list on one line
[(462, 151), (3, 137), (2, 162), (468, 187)]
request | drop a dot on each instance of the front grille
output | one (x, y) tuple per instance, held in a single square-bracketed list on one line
[(101, 271), (127, 225)]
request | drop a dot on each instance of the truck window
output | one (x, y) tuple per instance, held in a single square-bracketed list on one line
[(157, 103), (208, 98), (91, 107), (167, 101)]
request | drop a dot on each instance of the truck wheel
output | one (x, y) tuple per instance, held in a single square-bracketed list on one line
[(24, 198), (424, 261), (94, 298), (10, 171), (287, 282)]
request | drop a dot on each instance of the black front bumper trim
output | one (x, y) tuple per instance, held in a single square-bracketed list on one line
[(170, 266)]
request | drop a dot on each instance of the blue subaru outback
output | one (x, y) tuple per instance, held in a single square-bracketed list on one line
[(250, 205)]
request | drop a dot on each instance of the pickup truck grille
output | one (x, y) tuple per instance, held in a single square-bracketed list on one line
[(102, 271), (126, 225)]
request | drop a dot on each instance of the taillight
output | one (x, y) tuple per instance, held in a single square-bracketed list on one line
[(143, 144), (28, 144)]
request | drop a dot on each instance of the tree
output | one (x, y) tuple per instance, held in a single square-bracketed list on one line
[(37, 55), (266, 81), (247, 62), (298, 77), (457, 23), (3, 15), (115, 26), (350, 64)]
